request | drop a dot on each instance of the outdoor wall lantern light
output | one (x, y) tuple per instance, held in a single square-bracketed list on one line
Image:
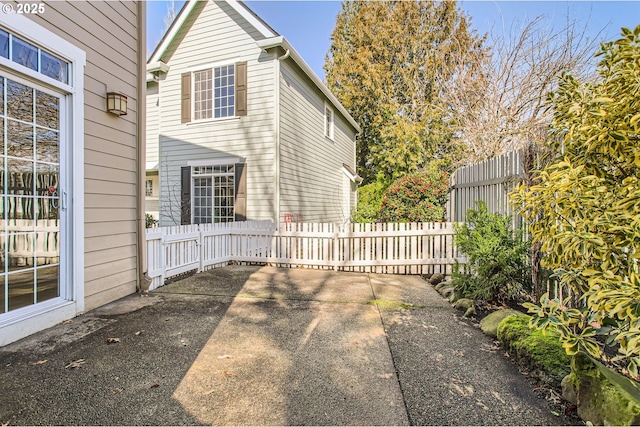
[(116, 103)]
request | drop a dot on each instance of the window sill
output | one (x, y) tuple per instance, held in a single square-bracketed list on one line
[(205, 121)]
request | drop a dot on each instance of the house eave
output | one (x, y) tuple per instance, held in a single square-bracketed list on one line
[(353, 177), (157, 67), (282, 42)]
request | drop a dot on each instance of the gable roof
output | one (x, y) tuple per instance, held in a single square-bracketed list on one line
[(272, 39), (262, 27)]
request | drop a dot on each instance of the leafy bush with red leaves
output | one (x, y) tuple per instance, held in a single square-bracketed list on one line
[(418, 197)]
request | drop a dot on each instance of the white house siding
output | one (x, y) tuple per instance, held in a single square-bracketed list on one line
[(311, 179), (152, 149), (109, 33), (153, 117), (249, 137)]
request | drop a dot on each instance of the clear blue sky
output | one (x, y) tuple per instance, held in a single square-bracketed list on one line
[(308, 24)]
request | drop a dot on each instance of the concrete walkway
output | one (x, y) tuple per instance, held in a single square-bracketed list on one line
[(265, 346)]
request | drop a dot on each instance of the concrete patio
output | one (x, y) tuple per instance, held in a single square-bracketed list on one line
[(248, 345)]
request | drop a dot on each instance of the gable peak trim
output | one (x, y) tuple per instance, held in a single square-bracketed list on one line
[(186, 11)]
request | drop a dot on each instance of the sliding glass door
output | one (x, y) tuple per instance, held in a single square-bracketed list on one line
[(31, 198)]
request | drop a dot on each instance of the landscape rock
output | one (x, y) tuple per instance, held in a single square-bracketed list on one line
[(543, 356), (569, 389), (471, 311), (436, 278), (604, 397), (442, 285), (489, 324), (446, 291), (454, 297), (464, 304)]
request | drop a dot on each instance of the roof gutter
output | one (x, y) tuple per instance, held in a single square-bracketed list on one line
[(280, 41)]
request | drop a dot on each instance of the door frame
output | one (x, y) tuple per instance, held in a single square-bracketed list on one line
[(25, 321)]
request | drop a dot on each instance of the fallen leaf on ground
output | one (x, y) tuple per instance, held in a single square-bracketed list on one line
[(554, 397), (482, 405), (75, 364), (227, 373), (497, 396), (156, 385), (112, 340), (40, 362), (459, 389)]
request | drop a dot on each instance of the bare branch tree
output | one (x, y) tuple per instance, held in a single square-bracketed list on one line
[(500, 104), (171, 209), (170, 16)]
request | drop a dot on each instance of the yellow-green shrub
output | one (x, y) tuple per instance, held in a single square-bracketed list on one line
[(585, 207)]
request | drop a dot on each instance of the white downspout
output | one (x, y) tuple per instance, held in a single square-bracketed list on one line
[(143, 281), (277, 137)]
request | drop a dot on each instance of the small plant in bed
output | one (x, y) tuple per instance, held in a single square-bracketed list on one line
[(498, 270)]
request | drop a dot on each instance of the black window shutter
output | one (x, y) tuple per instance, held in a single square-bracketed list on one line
[(186, 97), (185, 195), (240, 205), (241, 88)]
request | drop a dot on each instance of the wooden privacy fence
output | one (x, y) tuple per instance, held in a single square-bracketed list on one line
[(489, 181), (415, 248)]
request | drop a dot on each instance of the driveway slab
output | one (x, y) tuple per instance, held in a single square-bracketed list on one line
[(248, 345)]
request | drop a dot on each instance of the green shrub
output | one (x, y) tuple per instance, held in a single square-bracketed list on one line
[(584, 208), (150, 221), (498, 266), (370, 201), (418, 197)]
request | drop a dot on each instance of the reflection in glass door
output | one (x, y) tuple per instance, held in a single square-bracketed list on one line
[(30, 135)]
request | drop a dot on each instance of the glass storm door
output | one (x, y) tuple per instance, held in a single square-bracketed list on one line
[(31, 131)]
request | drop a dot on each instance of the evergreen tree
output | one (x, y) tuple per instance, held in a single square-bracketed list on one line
[(387, 64)]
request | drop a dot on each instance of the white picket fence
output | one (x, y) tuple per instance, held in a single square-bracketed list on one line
[(415, 248)]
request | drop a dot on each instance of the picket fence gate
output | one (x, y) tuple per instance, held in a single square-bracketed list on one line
[(394, 248)]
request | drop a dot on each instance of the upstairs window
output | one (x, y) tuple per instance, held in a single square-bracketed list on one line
[(328, 121), (214, 93)]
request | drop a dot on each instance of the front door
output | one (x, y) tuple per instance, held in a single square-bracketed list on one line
[(32, 205)]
